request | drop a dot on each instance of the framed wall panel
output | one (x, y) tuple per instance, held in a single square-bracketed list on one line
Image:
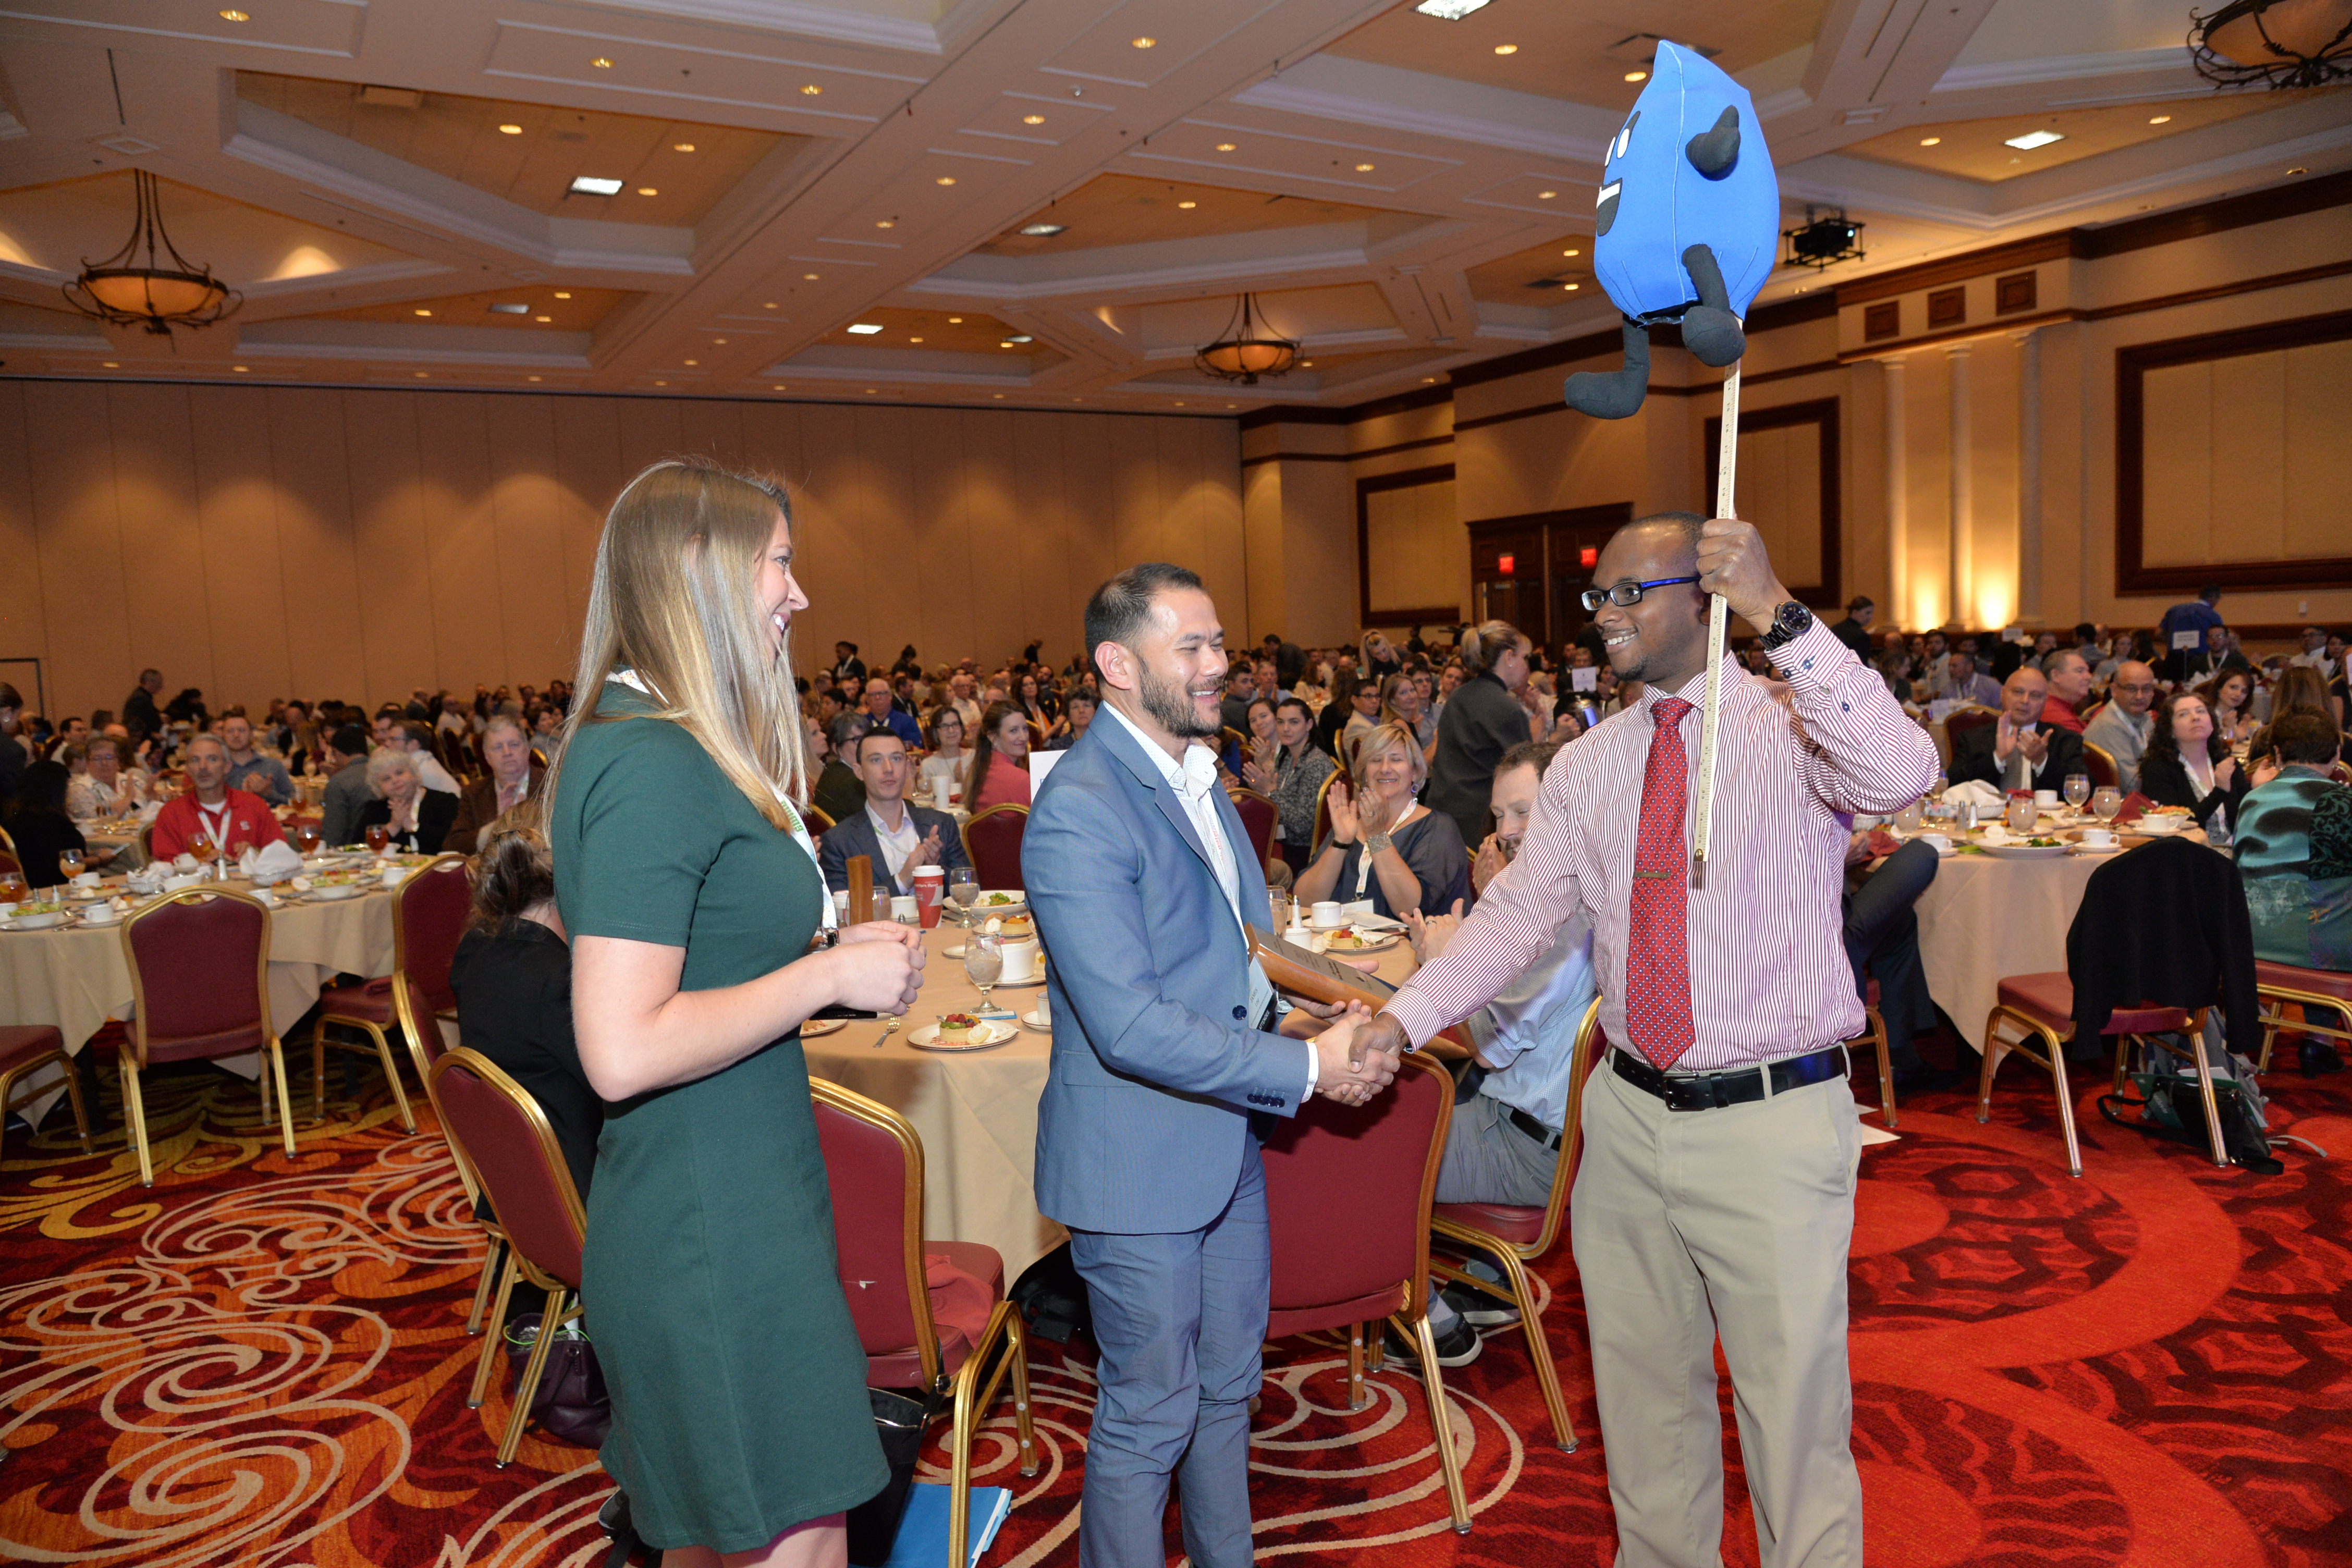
[(1427, 610), (1798, 506)]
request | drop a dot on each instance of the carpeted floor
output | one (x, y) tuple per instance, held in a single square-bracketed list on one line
[(263, 1361)]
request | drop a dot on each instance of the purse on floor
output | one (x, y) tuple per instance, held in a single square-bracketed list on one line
[(570, 1404)]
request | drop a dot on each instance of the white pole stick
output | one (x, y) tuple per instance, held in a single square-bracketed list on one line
[(1726, 466)]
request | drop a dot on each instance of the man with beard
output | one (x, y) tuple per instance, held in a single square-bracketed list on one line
[(1168, 1044)]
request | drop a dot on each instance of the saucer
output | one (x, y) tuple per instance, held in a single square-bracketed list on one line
[(1031, 1020)]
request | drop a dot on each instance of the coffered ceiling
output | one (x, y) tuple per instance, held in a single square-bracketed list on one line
[(390, 185)]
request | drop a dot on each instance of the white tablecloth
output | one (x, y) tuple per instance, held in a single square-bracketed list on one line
[(1984, 917)]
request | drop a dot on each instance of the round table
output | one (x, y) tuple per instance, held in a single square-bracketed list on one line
[(975, 1111)]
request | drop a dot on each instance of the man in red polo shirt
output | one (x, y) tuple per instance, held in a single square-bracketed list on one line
[(230, 818), (2069, 674)]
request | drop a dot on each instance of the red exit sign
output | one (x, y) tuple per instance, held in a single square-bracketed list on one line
[(1507, 564), (1590, 556)]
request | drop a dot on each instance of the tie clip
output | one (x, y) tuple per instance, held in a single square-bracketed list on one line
[(1658, 875)]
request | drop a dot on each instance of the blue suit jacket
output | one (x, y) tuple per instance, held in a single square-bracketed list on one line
[(855, 835), (1156, 1068)]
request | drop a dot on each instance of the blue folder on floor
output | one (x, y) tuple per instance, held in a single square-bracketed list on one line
[(923, 1530)]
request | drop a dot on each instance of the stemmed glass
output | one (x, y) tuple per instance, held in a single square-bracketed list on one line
[(306, 840), (69, 861), (2108, 801), (202, 847), (963, 887), (2078, 790), (984, 963), (378, 835), (11, 887)]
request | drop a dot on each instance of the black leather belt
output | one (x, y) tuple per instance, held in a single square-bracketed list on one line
[(1714, 1090), (1535, 1129)]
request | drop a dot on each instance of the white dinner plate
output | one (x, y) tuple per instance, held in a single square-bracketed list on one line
[(339, 891), (1036, 979), (980, 906), (991, 1033), (2024, 852), (1376, 943), (38, 922), (2098, 848)]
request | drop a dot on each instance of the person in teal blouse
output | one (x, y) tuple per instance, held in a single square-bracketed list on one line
[(2293, 846), (741, 1424)]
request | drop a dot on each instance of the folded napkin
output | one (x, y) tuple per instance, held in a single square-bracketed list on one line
[(1977, 790), (271, 864), (2135, 805), (1883, 842), (186, 863), (146, 879), (181, 884)]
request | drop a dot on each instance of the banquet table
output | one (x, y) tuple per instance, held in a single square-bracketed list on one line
[(976, 1111)]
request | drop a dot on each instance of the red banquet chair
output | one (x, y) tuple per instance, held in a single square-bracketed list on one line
[(991, 842), (200, 990), (2281, 985), (1967, 716), (24, 1048), (1259, 818), (1516, 1235), (429, 918), (943, 1347), (1350, 1230), (500, 1133), (2099, 766)]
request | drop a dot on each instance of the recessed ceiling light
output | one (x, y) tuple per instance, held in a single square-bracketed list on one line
[(812, 90), (511, 310), (1571, 250), (564, 293), (1043, 230), (1363, 168), (542, 318), (1306, 365), (1507, 49), (2298, 171), (1023, 338), (594, 185), (238, 368), (601, 63), (870, 391), (1144, 43), (682, 146), (1449, 10), (886, 223), (914, 340), (694, 361), (769, 306), (661, 384), (1006, 343), (955, 321), (865, 329), (1637, 75), (647, 191), (719, 343), (111, 364), (2031, 140), (998, 395), (1930, 141), (2159, 120), (234, 17), (1179, 405), (808, 276), (775, 389), (1224, 146), (1033, 120), (1571, 287), (422, 376), (530, 378), (1546, 196), (1187, 207), (422, 311), (510, 130)]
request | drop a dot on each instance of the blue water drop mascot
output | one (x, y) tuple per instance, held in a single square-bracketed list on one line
[(1687, 226)]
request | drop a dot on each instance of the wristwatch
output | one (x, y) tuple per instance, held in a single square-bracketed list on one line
[(1790, 622), (1375, 842)]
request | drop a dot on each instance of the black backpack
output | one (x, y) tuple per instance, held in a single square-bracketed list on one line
[(1052, 1298)]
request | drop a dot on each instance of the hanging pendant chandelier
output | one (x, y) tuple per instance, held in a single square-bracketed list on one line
[(1248, 350), (2274, 43), (134, 287)]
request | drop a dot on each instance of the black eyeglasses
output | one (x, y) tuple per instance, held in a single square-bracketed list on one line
[(1626, 594)]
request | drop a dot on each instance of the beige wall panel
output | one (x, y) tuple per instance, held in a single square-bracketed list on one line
[(1215, 454), (588, 473), (833, 506), (386, 589), (526, 511), (650, 431), (2246, 475), (711, 430), (1262, 546), (1088, 507), (267, 541), (889, 454), (165, 567), (1319, 556), (1419, 554), (88, 604), (2178, 529), (2318, 451), (1780, 482), (23, 615), (310, 471), (461, 549), (1138, 519), (1011, 484)]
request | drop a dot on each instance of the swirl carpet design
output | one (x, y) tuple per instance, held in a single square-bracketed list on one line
[(263, 1361)]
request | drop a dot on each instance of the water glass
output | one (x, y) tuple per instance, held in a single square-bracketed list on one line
[(1907, 819), (69, 861), (984, 963), (2078, 790), (2106, 802), (964, 890)]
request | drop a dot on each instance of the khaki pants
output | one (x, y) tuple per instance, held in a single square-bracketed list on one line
[(1689, 1226)]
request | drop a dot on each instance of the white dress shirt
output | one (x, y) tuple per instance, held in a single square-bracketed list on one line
[(1194, 780), (899, 844)]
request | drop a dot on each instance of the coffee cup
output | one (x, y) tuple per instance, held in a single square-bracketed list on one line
[(1020, 961), (86, 879), (2098, 838), (1325, 916), (903, 909), (2045, 800), (931, 893), (841, 907), (942, 792), (1937, 842)]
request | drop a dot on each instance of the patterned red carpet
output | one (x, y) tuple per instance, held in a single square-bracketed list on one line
[(263, 1361)]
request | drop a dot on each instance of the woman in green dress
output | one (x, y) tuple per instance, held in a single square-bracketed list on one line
[(741, 1429)]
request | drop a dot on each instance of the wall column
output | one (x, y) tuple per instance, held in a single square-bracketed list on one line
[(1959, 592), (2029, 478), (1899, 503)]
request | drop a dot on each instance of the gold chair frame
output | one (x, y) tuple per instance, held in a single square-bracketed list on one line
[(1874, 1031), (130, 1052), (11, 1096), (2051, 1057), (2093, 749), (1516, 1288), (559, 1314), (965, 1396), (403, 1014)]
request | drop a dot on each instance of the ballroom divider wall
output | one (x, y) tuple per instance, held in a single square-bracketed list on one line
[(276, 540)]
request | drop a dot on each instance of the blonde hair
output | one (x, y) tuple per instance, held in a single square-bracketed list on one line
[(1484, 643), (1379, 738), (672, 600)]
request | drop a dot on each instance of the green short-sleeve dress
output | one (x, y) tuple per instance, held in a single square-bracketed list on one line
[(737, 1383)]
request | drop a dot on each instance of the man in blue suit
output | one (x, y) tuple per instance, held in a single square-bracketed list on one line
[(896, 836), (1167, 1042)]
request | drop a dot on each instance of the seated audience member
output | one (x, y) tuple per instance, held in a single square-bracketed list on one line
[(1504, 1144), (2188, 764), (1241, 690), (513, 779), (2017, 750), (41, 829), (250, 770), (2300, 691), (1401, 704), (419, 817), (452, 720), (1882, 942), (1256, 744), (2293, 847), (512, 975), (1384, 844), (233, 819), (342, 760), (2069, 674), (1963, 683), (384, 731), (1293, 781), (416, 741), (882, 713), (546, 724), (1000, 761), (15, 752), (948, 758), (837, 792), (896, 836), (74, 732), (2122, 728), (1078, 712), (107, 789)]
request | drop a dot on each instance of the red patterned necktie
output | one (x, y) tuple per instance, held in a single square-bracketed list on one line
[(1657, 953)]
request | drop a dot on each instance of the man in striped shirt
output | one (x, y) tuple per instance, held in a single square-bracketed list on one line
[(1716, 1197)]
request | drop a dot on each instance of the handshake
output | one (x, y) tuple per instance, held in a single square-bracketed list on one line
[(1356, 1052)]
